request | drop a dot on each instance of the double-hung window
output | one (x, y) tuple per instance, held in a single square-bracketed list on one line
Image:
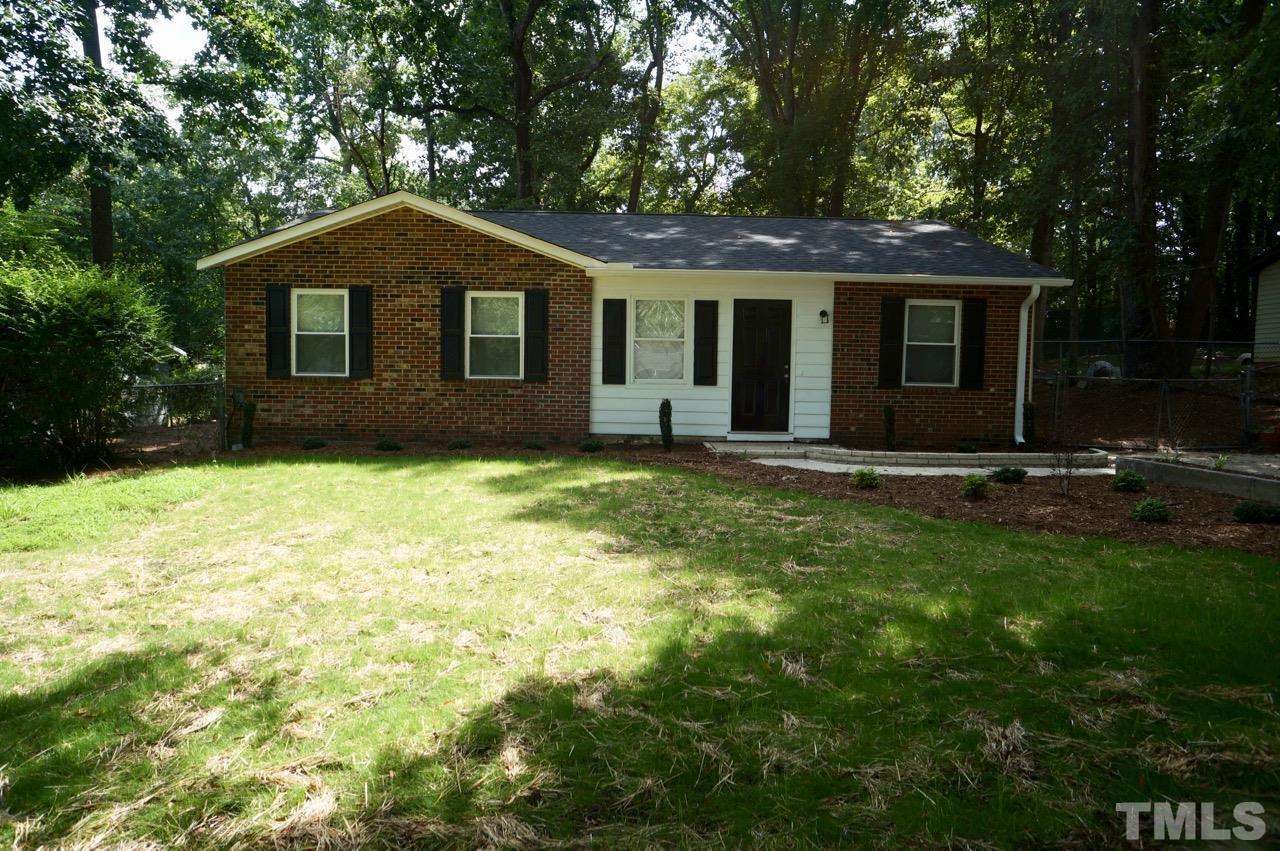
[(932, 343), (495, 345), (658, 340), (320, 325)]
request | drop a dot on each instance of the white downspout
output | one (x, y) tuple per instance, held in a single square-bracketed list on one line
[(1020, 392)]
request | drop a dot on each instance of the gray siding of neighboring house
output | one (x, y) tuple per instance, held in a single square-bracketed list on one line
[(1266, 334)]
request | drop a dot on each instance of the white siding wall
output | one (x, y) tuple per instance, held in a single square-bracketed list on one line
[(1266, 332), (703, 411)]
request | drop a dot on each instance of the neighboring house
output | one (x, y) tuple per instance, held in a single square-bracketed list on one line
[(1266, 322), (406, 318)]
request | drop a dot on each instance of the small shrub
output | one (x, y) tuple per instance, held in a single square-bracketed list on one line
[(1129, 481), (1220, 462), (966, 446), (1256, 512), (460, 443), (1029, 423), (865, 478), (535, 444), (1009, 475), (664, 424), (1151, 510), (387, 445), (590, 446), (314, 443), (246, 424), (975, 486)]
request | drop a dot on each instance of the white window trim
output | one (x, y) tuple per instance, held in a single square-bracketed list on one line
[(294, 292), (516, 294), (954, 344), (633, 315)]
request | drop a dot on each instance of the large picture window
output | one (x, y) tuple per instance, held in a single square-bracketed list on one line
[(658, 340), (495, 347), (320, 332), (931, 355)]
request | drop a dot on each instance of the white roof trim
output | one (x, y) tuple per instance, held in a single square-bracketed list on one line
[(375, 206), (627, 270)]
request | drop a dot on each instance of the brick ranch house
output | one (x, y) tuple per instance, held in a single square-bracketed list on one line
[(401, 317)]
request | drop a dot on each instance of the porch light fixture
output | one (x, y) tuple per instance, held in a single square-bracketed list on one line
[(824, 317)]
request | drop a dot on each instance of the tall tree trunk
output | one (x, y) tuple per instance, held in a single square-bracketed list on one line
[(101, 226), (651, 106), (1143, 127)]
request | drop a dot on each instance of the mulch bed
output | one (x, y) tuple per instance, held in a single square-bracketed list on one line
[(1199, 518)]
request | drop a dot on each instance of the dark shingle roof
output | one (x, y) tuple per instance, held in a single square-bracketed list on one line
[(772, 243)]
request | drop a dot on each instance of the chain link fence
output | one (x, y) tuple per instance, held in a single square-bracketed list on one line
[(157, 408)]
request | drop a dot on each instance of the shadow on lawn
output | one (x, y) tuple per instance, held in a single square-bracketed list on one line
[(845, 675), (922, 683)]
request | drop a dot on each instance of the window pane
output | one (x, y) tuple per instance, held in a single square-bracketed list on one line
[(320, 353), (931, 323), (659, 359), (931, 364), (320, 312), (660, 319), (495, 315), (495, 356)]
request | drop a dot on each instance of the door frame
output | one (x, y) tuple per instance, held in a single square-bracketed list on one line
[(787, 435)]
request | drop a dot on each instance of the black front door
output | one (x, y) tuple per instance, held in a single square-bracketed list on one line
[(761, 365)]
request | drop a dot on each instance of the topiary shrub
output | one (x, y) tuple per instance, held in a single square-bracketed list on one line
[(387, 445), (664, 424), (1129, 481), (590, 446), (72, 340), (314, 443), (865, 478), (1151, 510), (975, 486), (1256, 512), (1009, 475), (247, 414), (460, 443), (535, 444)]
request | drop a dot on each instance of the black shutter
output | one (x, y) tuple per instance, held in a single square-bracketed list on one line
[(536, 316), (613, 335), (705, 328), (452, 345), (360, 335), (277, 332), (893, 315), (973, 342)]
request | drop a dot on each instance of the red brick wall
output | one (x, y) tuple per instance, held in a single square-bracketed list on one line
[(407, 256), (926, 417)]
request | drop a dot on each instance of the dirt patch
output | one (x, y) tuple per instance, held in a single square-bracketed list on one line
[(1199, 518)]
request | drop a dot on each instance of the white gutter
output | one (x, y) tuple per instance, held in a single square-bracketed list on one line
[(1020, 393)]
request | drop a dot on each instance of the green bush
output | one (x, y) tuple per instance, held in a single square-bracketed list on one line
[(1151, 510), (1256, 512), (865, 478), (590, 446), (72, 340), (664, 424), (1009, 475), (535, 444), (387, 445), (1129, 481), (314, 443), (460, 443), (975, 486)]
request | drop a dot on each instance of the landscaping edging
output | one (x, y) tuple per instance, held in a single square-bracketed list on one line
[(1219, 481), (1092, 458)]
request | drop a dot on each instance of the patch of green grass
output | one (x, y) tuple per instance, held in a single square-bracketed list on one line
[(460, 651)]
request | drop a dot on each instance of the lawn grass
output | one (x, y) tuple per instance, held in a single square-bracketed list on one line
[(462, 651)]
